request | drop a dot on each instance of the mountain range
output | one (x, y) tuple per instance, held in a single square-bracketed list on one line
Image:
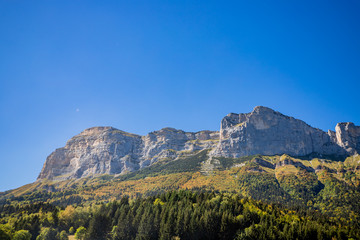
[(106, 150), (263, 155), (263, 175)]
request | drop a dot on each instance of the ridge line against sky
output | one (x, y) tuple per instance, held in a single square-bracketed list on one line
[(69, 65)]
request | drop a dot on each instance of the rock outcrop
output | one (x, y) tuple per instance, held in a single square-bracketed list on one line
[(348, 137), (284, 160), (267, 132), (106, 150)]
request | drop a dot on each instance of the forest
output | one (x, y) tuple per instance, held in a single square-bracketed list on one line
[(253, 197), (181, 214)]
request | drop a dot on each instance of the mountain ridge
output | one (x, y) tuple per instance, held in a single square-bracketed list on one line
[(107, 150)]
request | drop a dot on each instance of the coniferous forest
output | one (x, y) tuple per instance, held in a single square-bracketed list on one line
[(176, 200), (180, 214)]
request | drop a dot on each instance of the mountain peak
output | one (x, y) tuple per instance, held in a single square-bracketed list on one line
[(107, 150), (262, 109), (96, 130)]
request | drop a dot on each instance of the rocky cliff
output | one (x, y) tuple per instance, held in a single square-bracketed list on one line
[(267, 132), (106, 150)]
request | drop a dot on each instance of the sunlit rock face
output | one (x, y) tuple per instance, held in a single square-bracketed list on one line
[(96, 150), (348, 137), (106, 150), (168, 142), (267, 132)]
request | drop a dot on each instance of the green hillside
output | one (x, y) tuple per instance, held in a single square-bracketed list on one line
[(327, 187)]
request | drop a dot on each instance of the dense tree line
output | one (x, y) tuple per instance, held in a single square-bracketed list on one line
[(172, 215), (333, 190)]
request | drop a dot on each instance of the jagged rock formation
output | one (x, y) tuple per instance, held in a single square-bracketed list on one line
[(348, 137), (267, 132), (106, 150)]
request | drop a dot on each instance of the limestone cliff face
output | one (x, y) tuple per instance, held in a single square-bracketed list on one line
[(94, 151), (106, 150), (348, 137), (267, 132), (168, 142)]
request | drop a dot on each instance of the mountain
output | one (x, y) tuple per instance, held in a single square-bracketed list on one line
[(106, 150), (264, 175)]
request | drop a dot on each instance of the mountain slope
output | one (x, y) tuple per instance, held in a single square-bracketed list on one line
[(331, 187), (106, 150), (103, 164)]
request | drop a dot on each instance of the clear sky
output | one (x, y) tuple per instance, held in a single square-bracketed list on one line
[(140, 66)]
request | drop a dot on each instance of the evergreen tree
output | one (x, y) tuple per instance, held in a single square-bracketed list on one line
[(98, 227), (63, 235), (80, 233), (47, 233), (71, 230), (4, 235), (22, 235)]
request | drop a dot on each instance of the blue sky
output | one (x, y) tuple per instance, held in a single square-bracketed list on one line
[(143, 65)]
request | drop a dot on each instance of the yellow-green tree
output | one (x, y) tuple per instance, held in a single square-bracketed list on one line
[(22, 235), (80, 233)]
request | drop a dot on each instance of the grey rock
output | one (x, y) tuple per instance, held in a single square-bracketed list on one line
[(348, 137), (165, 142), (267, 132), (106, 150), (96, 150)]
